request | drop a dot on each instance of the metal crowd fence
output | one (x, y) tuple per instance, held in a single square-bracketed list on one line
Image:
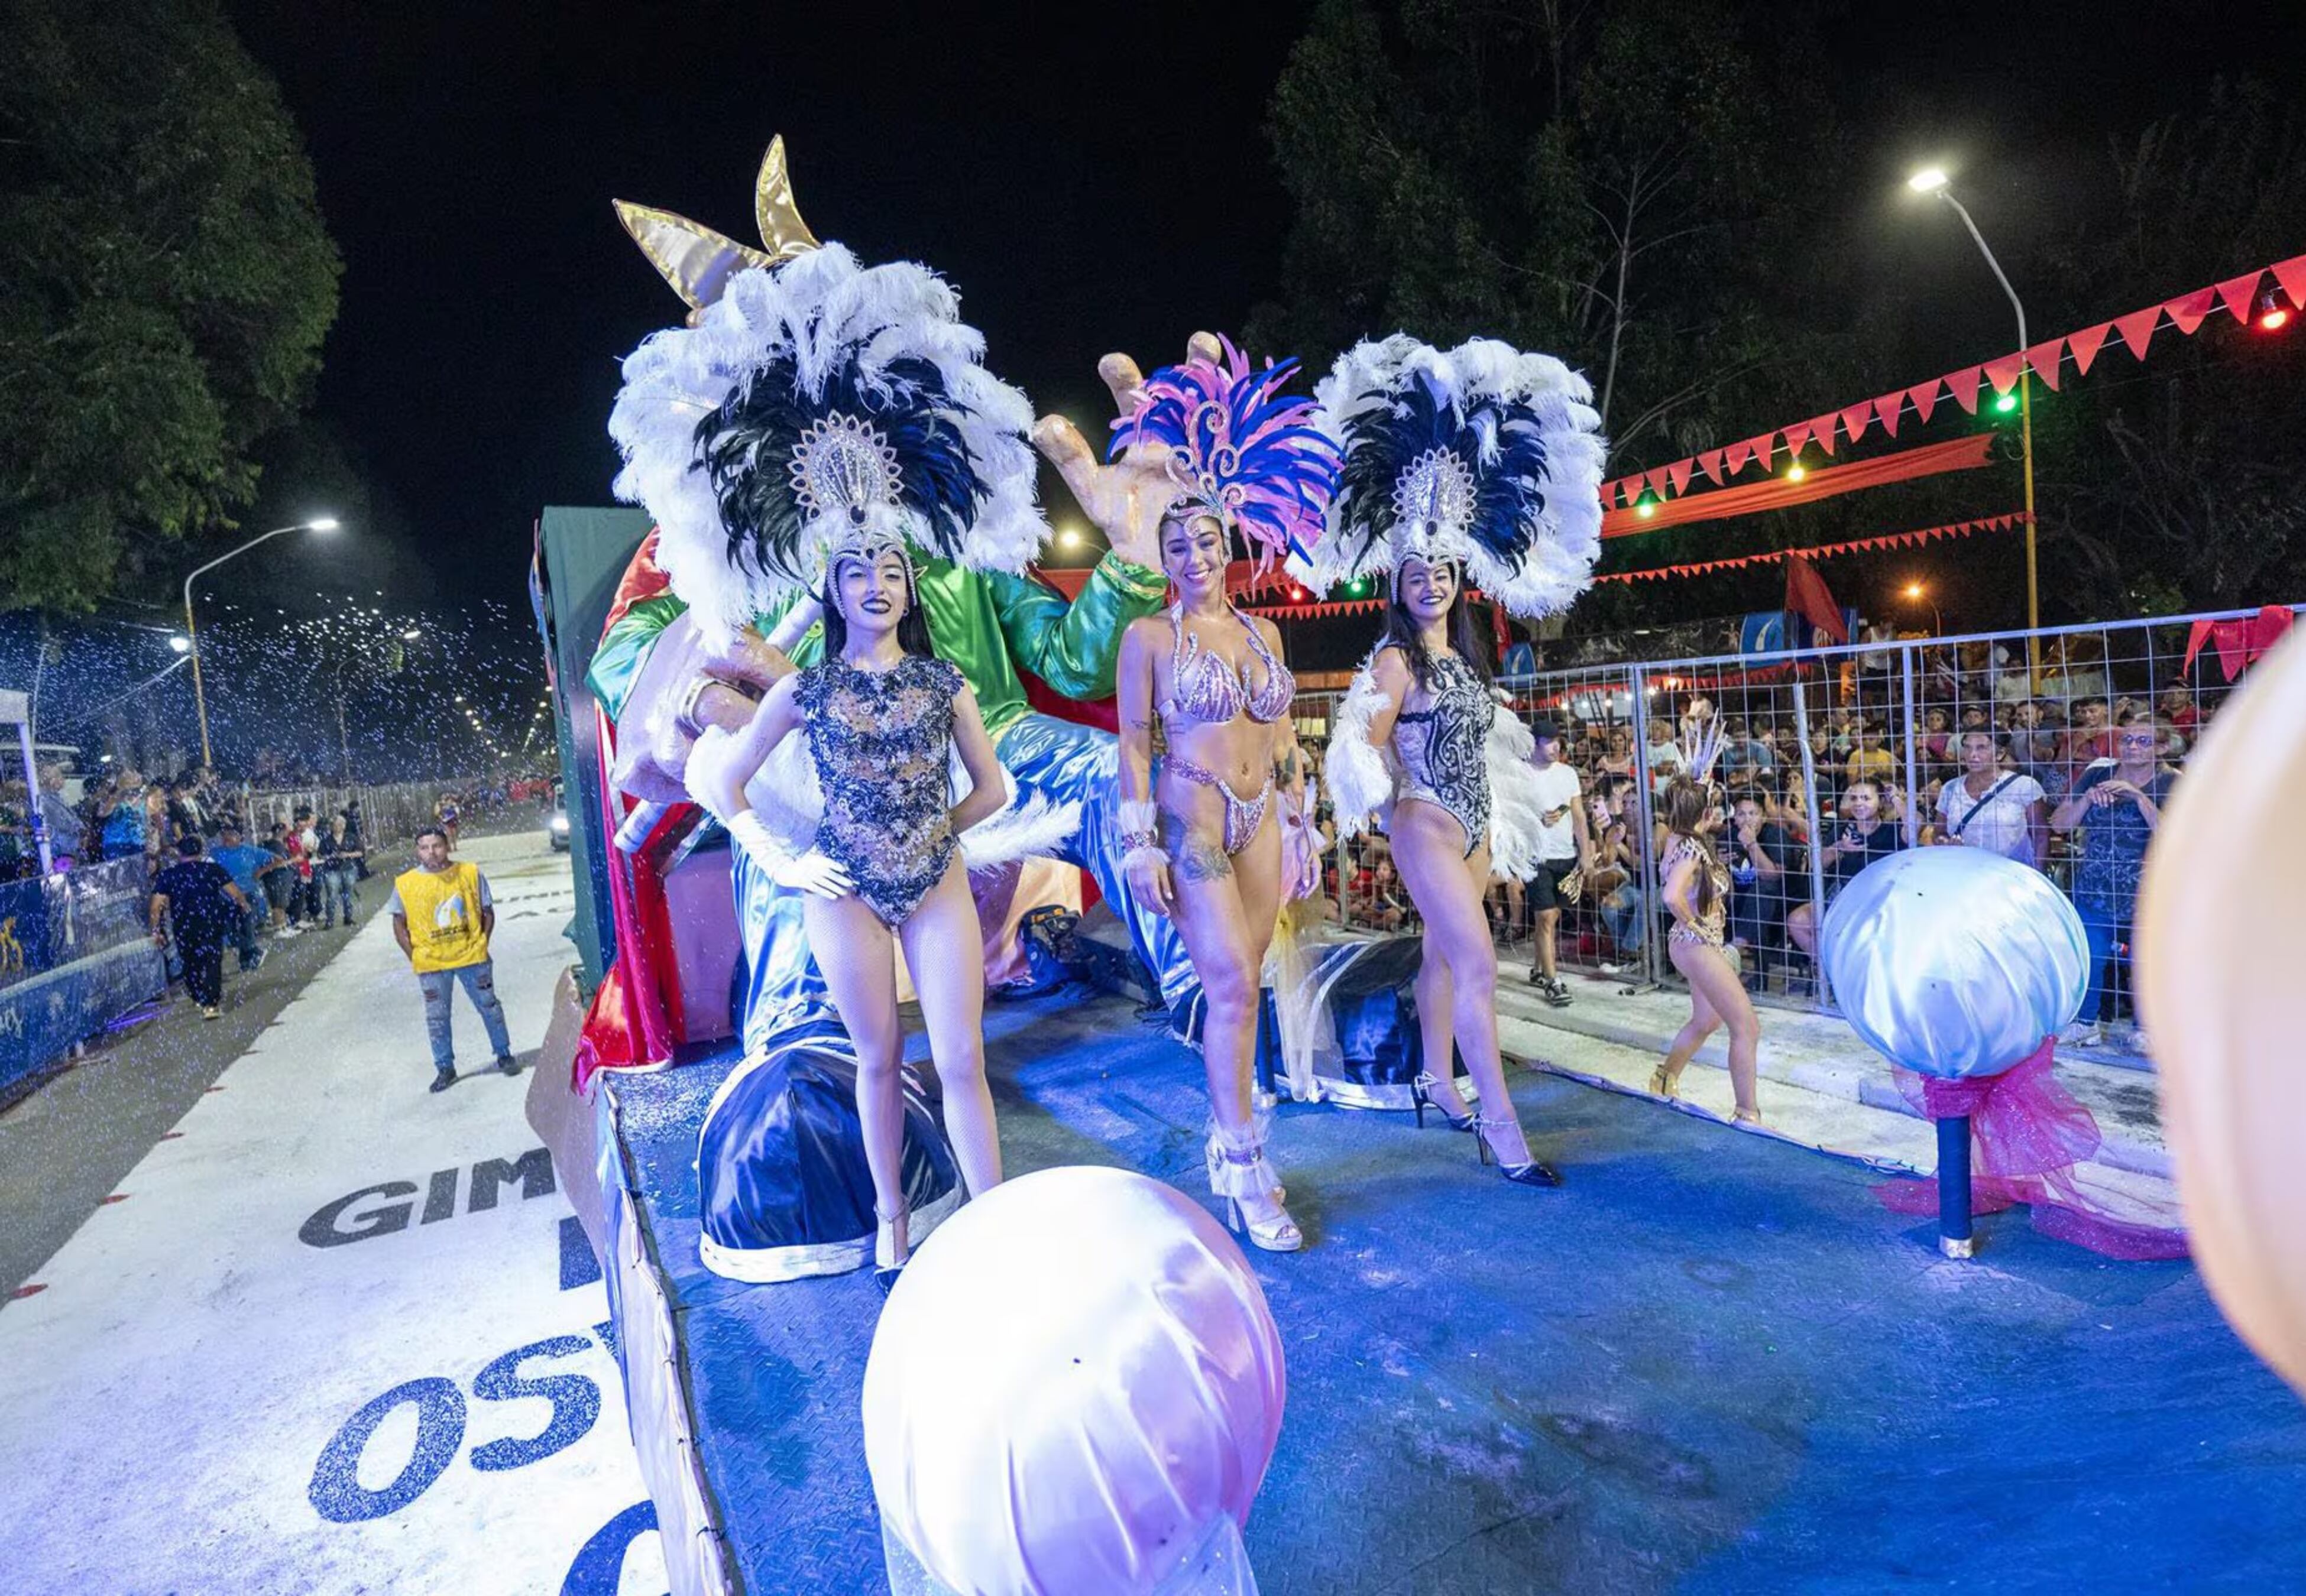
[(389, 814), (1802, 731)]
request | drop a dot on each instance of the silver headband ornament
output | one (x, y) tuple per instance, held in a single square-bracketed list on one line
[(1432, 509), (845, 476)]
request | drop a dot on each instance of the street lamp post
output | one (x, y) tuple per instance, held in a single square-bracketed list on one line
[(1931, 180), (191, 627), (1916, 593)]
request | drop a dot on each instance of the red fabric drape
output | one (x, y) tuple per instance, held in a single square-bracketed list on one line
[(1957, 454)]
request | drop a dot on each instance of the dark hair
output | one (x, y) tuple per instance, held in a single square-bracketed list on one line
[(1401, 632), (912, 626), (1685, 804), (189, 845), (423, 831)]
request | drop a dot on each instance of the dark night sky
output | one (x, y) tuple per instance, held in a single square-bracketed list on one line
[(1089, 177)]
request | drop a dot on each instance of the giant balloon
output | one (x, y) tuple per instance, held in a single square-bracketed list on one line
[(2222, 987), (1954, 962), (1072, 1381)]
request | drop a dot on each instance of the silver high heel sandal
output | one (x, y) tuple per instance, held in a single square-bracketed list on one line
[(1426, 1092), (1532, 1173), (1238, 1169), (892, 1248)]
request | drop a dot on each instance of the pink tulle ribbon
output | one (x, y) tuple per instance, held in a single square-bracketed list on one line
[(2028, 1132)]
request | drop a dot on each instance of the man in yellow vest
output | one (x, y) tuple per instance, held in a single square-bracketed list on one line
[(442, 916)]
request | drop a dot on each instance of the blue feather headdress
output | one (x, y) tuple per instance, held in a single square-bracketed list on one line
[(1483, 455), (1240, 449), (815, 408)]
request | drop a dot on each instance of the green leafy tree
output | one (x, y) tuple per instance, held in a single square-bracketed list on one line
[(166, 282), (2186, 472), (1614, 182)]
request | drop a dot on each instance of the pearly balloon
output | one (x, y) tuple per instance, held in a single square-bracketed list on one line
[(2222, 988), (1073, 1383), (1954, 962)]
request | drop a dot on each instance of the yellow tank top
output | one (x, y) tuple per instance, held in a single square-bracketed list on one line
[(444, 916)]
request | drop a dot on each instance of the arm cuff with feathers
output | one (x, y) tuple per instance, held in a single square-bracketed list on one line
[(1357, 773), (1141, 818)]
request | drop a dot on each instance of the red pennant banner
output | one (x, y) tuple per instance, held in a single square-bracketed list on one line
[(2237, 292), (1677, 474), (1854, 420), (1963, 387), (2188, 310), (1894, 540), (1655, 478), (2291, 275), (1710, 463), (1796, 435), (2003, 372), (2137, 329), (2043, 359), (1737, 455), (1924, 396), (2084, 346), (1821, 431), (1887, 409)]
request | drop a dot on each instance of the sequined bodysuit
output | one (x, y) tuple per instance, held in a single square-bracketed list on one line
[(1444, 747), (881, 740), (1206, 688)]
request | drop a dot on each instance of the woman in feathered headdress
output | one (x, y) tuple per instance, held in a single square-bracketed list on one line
[(1205, 838), (1480, 466), (818, 423)]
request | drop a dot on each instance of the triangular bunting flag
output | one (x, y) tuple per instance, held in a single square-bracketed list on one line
[(2003, 373), (1854, 420), (1821, 430), (2236, 293), (2187, 310), (2291, 275), (1710, 463), (2083, 345), (1677, 474), (1963, 385), (2137, 329), (1655, 477), (2043, 359), (1924, 396), (1887, 409), (1796, 435), (1736, 455)]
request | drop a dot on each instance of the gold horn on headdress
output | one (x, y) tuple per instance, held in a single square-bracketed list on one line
[(697, 261)]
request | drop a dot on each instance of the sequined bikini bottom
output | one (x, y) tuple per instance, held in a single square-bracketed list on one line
[(1242, 816)]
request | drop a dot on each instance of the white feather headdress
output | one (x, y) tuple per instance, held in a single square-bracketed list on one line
[(818, 406), (1481, 454)]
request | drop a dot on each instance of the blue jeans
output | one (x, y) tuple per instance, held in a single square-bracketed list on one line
[(479, 982), (250, 923), (1622, 919), (2105, 924), (1065, 762), (336, 885)]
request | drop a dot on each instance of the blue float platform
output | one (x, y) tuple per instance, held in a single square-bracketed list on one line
[(1712, 1363)]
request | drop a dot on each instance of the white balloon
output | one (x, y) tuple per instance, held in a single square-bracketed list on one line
[(1954, 962), (2222, 987), (1072, 1381)]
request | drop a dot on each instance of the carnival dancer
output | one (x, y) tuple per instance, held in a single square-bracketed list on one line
[(1696, 885), (883, 717), (664, 670), (1204, 835), (1479, 466), (819, 421)]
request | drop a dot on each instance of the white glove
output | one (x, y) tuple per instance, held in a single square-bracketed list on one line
[(812, 872)]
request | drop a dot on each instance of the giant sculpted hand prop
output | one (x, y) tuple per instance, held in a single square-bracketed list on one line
[(1125, 498)]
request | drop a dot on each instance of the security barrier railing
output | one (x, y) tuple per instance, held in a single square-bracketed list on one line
[(1824, 747), (387, 813)]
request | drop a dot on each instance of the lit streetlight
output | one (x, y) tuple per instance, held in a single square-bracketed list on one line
[(1933, 180), (191, 627), (1916, 593), (1069, 538)]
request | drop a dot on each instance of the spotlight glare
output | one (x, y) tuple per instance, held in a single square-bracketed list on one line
[(2005, 404), (1929, 180), (1796, 471)]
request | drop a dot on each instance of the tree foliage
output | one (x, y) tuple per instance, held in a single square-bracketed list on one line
[(166, 282), (1613, 183), (2188, 474)]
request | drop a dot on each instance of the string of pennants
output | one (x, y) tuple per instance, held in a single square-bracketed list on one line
[(2186, 311), (1894, 540)]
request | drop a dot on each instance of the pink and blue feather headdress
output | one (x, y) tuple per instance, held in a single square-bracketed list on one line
[(1481, 454), (1240, 449)]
